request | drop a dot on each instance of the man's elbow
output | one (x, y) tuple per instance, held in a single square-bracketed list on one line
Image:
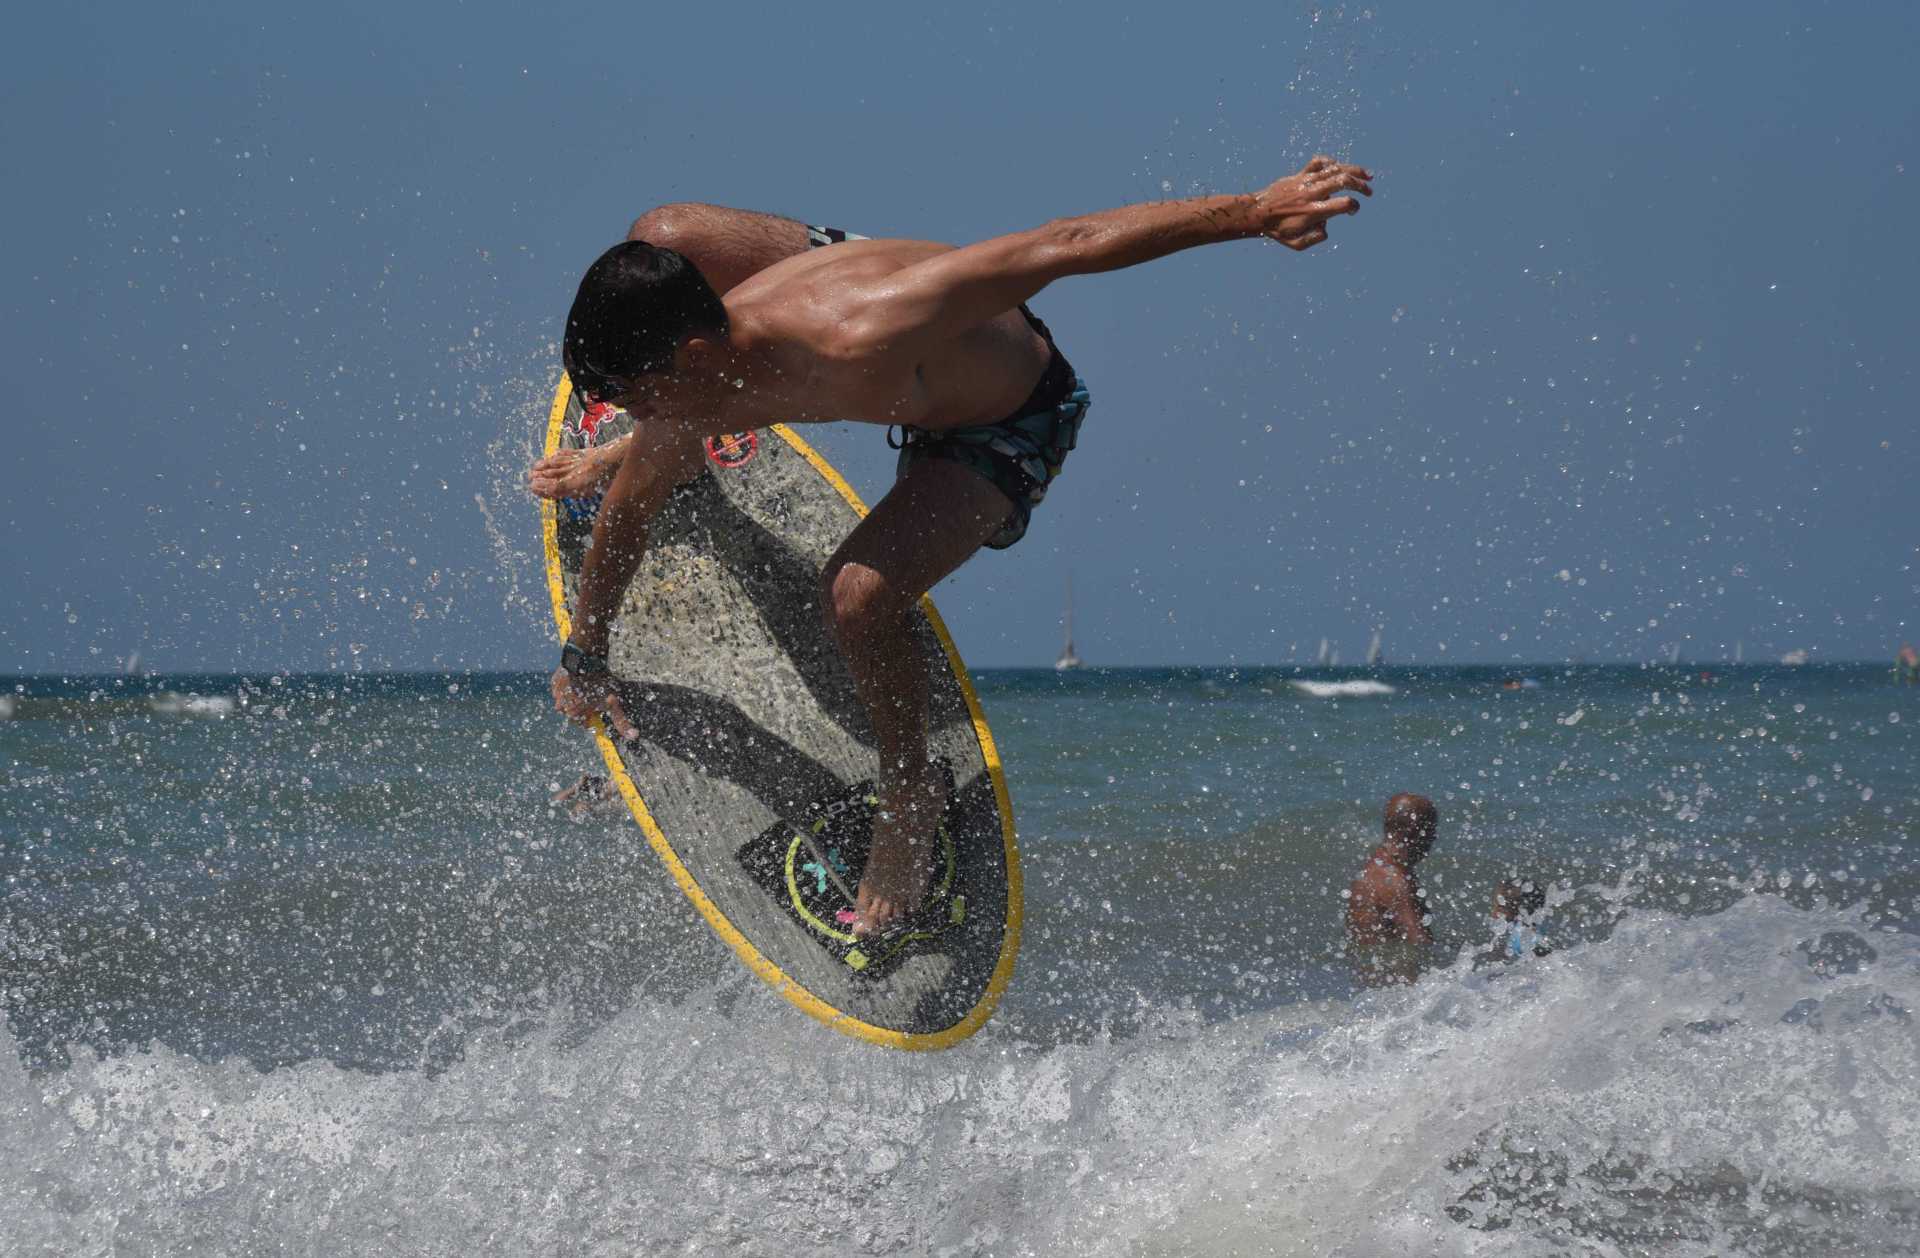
[(1062, 247)]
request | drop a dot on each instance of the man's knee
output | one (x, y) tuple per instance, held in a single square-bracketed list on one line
[(727, 245), (860, 602), (673, 226)]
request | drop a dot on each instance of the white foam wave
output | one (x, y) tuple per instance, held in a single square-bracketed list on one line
[(206, 707), (1356, 689), (1713, 1085)]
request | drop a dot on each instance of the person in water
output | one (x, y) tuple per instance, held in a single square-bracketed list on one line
[(1906, 665), (1388, 924), (590, 793), (1519, 912), (931, 338)]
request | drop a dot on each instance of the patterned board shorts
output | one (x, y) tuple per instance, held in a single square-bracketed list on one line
[(1020, 455)]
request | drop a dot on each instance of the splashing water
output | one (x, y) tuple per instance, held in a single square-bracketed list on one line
[(329, 975)]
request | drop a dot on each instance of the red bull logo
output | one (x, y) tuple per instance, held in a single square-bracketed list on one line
[(592, 416), (735, 449)]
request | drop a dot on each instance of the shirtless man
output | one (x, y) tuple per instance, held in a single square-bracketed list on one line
[(1384, 905), (888, 332)]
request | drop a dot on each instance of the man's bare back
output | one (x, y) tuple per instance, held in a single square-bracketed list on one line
[(801, 320), (1384, 903)]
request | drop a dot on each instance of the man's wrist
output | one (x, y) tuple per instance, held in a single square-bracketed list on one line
[(580, 662), (1252, 215)]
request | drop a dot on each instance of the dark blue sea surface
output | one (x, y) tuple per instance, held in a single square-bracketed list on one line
[(311, 964)]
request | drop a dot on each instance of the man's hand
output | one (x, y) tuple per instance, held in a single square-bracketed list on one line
[(580, 699), (576, 473), (1295, 210)]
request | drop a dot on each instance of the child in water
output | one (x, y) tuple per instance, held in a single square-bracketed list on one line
[(592, 793), (1519, 914)]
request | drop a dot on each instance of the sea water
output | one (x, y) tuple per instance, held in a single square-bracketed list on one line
[(309, 965)]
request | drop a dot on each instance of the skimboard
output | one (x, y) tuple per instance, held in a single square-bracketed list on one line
[(753, 774)]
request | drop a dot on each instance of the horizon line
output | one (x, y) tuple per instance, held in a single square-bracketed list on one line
[(496, 671)]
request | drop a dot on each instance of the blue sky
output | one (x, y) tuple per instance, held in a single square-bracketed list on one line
[(1620, 356)]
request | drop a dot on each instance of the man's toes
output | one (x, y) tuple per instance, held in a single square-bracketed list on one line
[(874, 917)]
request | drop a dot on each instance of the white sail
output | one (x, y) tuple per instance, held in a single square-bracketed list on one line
[(1068, 657), (1326, 652), (1373, 650)]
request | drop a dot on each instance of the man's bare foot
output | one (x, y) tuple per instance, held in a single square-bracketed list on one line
[(900, 864), (571, 473)]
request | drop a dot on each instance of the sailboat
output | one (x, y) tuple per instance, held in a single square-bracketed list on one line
[(1348, 688), (1068, 658)]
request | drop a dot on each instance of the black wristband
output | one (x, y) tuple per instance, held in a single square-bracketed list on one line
[(578, 663)]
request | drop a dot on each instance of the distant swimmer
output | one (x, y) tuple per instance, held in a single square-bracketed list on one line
[(590, 793), (1387, 918), (1519, 915), (934, 340), (1906, 665)]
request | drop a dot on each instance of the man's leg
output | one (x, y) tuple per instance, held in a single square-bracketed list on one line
[(727, 246), (933, 519)]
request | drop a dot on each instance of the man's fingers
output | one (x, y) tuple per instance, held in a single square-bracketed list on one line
[(566, 700), (558, 461), (1336, 206), (1321, 164), (1342, 181), (1310, 218), (617, 716), (1304, 241)]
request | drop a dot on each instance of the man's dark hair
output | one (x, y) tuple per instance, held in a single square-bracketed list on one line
[(635, 304)]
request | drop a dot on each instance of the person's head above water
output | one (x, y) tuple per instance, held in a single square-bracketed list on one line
[(637, 307), (1411, 822), (1515, 897)]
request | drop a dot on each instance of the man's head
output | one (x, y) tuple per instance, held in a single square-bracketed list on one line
[(637, 308), (1411, 822)]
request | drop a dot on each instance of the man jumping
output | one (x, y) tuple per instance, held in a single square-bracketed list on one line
[(893, 332)]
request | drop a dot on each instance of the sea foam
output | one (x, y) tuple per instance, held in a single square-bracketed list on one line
[(1727, 1084)]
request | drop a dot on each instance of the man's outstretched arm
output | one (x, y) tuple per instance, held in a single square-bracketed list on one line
[(934, 300), (661, 457)]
